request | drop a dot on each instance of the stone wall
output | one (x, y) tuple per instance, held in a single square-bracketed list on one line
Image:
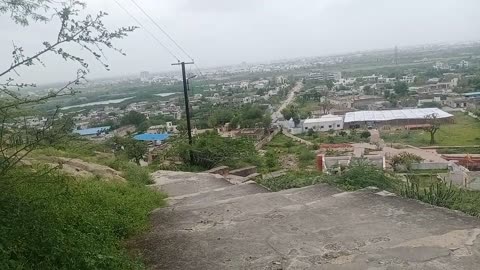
[(430, 166)]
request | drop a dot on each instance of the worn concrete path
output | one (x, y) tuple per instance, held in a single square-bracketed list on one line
[(316, 227)]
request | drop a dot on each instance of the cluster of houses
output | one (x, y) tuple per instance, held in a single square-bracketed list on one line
[(365, 119), (86, 119)]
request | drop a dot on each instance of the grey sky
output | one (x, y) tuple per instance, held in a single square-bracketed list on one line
[(220, 32)]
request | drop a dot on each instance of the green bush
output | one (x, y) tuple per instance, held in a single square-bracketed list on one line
[(306, 157), (436, 194), (131, 172), (52, 221), (365, 134), (136, 174), (361, 175)]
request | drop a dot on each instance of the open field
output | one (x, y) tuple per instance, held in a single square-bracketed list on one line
[(465, 131)]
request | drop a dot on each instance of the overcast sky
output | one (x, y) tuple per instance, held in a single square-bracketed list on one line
[(221, 32)]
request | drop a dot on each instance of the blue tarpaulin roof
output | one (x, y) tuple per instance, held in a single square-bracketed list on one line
[(151, 137), (91, 131)]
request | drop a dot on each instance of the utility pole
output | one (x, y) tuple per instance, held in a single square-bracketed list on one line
[(187, 104)]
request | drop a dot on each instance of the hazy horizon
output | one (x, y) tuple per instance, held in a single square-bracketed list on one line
[(220, 33)]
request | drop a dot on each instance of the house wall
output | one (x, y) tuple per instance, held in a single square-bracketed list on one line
[(324, 125), (430, 166)]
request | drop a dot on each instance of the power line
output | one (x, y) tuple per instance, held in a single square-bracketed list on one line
[(166, 34), (146, 30), (161, 29)]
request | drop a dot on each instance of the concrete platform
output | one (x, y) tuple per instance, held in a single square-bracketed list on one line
[(317, 227)]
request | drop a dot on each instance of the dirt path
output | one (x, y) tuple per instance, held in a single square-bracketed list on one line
[(291, 96), (295, 138)]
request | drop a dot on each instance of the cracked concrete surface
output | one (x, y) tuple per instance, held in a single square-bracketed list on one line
[(245, 227)]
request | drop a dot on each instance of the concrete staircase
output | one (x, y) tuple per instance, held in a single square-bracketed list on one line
[(213, 224)]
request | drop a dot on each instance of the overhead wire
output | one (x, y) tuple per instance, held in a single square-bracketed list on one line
[(146, 30), (166, 34), (161, 29)]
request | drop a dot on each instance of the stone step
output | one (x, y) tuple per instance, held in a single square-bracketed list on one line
[(314, 227), (184, 183), (263, 202), (218, 194)]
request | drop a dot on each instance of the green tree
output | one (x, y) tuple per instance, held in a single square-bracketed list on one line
[(266, 121), (143, 126), (133, 149), (326, 106), (433, 126), (401, 88), (329, 84), (133, 118), (291, 112), (88, 32), (368, 90)]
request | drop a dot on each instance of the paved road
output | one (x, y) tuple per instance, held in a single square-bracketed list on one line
[(291, 96)]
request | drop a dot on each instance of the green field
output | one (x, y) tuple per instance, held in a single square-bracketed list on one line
[(465, 131)]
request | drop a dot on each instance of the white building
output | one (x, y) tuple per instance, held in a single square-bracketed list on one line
[(324, 123), (280, 80), (144, 76), (408, 79), (259, 86), (463, 64)]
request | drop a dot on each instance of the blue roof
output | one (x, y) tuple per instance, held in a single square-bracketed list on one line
[(151, 137), (91, 131)]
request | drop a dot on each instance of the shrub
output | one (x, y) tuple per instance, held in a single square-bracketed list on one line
[(361, 174), (131, 172), (365, 134), (404, 161), (439, 193), (289, 143), (136, 174), (306, 156)]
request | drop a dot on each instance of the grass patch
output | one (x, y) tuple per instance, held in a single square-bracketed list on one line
[(293, 179), (282, 145), (76, 148), (130, 171), (52, 221), (465, 131), (361, 175)]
